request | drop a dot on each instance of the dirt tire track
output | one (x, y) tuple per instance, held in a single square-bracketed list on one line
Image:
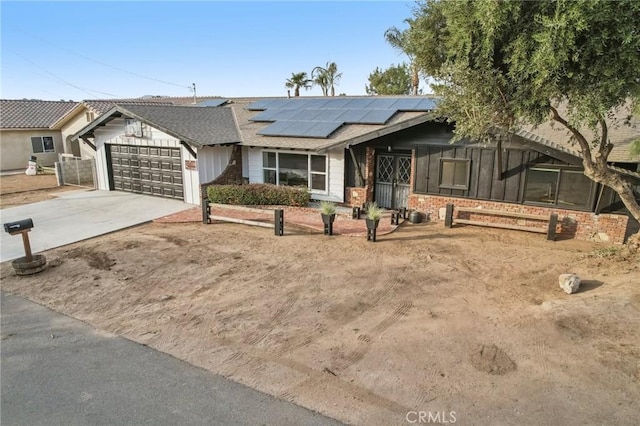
[(281, 312), (364, 340)]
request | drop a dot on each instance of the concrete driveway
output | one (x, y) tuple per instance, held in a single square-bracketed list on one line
[(78, 215)]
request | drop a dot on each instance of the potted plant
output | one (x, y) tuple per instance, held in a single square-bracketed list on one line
[(328, 212), (374, 213)]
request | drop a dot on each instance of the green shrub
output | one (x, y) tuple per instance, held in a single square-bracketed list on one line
[(259, 194)]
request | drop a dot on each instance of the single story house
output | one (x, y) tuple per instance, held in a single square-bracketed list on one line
[(351, 150), (25, 131)]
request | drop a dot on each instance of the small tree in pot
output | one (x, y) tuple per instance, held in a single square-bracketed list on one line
[(328, 212), (374, 213)]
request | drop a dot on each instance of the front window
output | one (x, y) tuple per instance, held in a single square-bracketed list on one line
[(454, 173), (42, 144), (558, 187), (280, 168)]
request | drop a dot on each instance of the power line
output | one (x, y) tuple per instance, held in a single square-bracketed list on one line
[(108, 65), (84, 90)]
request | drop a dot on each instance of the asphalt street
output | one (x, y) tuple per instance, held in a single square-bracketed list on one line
[(56, 370)]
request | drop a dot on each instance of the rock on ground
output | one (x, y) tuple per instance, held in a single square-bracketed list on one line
[(569, 283)]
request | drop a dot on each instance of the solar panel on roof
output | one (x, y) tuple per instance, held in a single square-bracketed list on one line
[(406, 104), (353, 116), (319, 117), (329, 115), (308, 129), (377, 116), (308, 114), (360, 103), (275, 129), (382, 103), (426, 104), (213, 102), (322, 129)]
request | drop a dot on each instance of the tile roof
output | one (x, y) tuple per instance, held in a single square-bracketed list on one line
[(622, 134), (195, 125), (32, 114), (349, 134)]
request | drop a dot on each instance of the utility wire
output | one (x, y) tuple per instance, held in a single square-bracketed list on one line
[(87, 91), (108, 65)]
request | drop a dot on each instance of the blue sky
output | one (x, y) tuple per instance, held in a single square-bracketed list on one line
[(229, 49)]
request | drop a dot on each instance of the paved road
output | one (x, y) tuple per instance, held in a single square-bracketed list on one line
[(82, 377), (78, 215)]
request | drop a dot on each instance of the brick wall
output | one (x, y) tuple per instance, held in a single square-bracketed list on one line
[(571, 224), (355, 196)]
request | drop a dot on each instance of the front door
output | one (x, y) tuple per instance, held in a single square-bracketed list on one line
[(393, 174)]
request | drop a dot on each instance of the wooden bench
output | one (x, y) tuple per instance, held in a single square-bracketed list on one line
[(550, 229)]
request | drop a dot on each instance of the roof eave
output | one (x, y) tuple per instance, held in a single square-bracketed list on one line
[(103, 119), (65, 118), (396, 127)]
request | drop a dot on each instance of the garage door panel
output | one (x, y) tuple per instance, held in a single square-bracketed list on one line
[(147, 170)]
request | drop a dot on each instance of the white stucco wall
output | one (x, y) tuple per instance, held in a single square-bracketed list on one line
[(335, 172), (73, 125), (16, 148), (113, 133)]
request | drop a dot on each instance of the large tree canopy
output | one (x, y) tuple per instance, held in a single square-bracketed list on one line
[(395, 80), (501, 64)]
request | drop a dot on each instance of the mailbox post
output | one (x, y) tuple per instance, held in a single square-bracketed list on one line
[(21, 227), (30, 264)]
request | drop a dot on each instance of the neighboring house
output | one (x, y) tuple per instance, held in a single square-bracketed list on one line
[(352, 150), (25, 131)]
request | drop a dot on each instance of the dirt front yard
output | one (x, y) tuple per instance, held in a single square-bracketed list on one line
[(466, 324), (16, 190)]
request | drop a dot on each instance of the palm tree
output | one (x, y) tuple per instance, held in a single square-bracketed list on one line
[(327, 78), (400, 40), (298, 80)]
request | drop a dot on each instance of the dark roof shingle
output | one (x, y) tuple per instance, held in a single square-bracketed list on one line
[(32, 114), (199, 126)]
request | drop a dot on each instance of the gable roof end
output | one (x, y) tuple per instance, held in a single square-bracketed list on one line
[(197, 126)]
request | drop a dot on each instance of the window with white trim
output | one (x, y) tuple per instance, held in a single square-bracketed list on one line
[(42, 144), (284, 168)]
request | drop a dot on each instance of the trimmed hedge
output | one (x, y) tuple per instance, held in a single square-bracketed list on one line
[(259, 194)]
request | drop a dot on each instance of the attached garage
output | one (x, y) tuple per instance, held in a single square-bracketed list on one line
[(161, 150), (146, 170)]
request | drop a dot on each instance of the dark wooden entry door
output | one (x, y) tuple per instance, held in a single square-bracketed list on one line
[(393, 177)]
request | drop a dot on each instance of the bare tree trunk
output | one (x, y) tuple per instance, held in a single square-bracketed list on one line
[(415, 79)]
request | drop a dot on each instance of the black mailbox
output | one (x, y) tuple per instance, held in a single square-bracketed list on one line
[(19, 225)]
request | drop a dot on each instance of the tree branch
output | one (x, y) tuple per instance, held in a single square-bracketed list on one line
[(582, 141)]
